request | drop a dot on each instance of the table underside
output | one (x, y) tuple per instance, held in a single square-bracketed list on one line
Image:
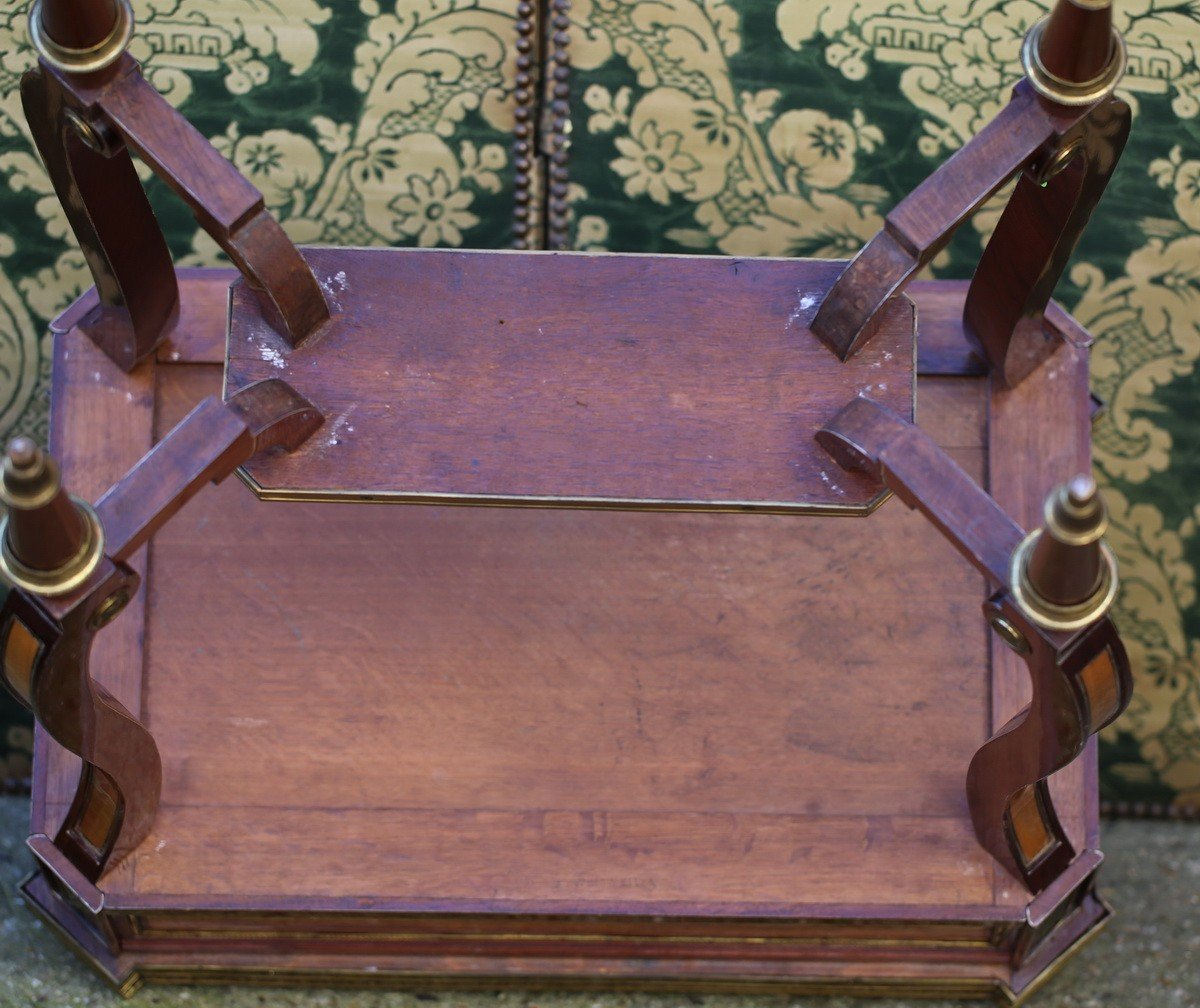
[(698, 715)]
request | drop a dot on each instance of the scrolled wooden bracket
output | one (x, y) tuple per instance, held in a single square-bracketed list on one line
[(85, 122), (111, 217), (1063, 156), (1054, 578), (46, 633)]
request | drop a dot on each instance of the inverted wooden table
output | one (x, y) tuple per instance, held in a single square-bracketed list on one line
[(445, 745)]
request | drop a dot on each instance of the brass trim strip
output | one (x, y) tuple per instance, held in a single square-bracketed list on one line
[(150, 934), (930, 987), (572, 503), (1067, 954), (126, 987)]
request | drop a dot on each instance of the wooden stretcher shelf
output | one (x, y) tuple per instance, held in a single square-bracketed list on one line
[(566, 379), (562, 747)]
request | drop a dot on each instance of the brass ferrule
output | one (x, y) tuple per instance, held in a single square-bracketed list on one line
[(29, 484), (29, 477), (89, 60), (1064, 576), (1052, 615), (70, 575), (1065, 92)]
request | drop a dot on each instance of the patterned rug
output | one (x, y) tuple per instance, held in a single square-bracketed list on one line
[(717, 126)]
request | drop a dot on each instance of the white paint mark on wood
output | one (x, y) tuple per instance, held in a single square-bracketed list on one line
[(829, 482), (338, 425), (247, 722), (805, 301), (333, 286)]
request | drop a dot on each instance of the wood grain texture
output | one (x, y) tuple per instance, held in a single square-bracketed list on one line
[(101, 423), (198, 335), (427, 727), (503, 377), (1046, 417), (642, 667)]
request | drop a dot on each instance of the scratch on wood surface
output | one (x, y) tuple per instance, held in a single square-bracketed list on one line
[(247, 722)]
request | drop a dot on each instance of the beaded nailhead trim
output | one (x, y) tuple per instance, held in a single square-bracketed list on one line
[(525, 159), (1149, 810), (558, 137), (541, 133)]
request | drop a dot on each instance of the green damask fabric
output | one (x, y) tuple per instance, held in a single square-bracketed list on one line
[(721, 126)]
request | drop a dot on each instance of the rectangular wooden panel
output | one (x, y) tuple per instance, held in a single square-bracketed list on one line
[(599, 706), (538, 724), (567, 379)]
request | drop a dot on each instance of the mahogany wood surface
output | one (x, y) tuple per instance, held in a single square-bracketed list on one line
[(503, 377), (1045, 417), (569, 699), (425, 717)]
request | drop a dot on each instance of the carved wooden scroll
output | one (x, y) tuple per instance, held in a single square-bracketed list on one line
[(67, 563), (1061, 137), (86, 112), (1053, 590)]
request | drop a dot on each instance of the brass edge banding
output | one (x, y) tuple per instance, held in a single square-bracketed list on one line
[(563, 503), (67, 578), (1050, 86), (126, 987), (749, 944), (830, 985), (89, 60), (1054, 968)]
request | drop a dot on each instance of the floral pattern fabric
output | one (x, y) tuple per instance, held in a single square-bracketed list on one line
[(714, 126)]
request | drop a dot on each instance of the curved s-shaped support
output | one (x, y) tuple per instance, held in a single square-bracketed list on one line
[(67, 563), (1053, 588), (1046, 215), (85, 102), (111, 217)]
